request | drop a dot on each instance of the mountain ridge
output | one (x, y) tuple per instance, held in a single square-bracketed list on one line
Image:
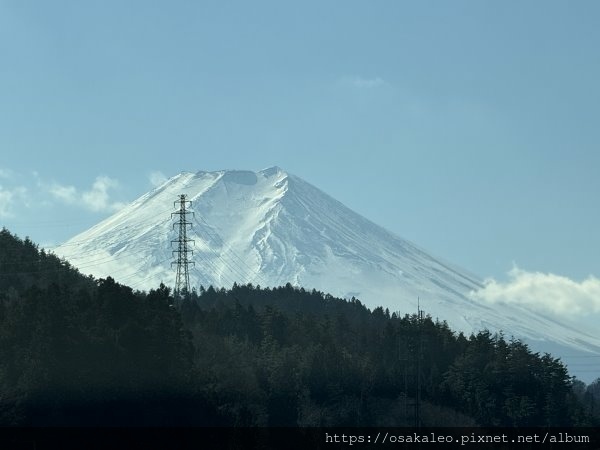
[(271, 227)]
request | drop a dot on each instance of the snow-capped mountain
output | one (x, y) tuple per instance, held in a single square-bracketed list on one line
[(271, 228)]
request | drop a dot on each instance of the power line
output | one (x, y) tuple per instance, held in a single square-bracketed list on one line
[(138, 283), (80, 242), (249, 271)]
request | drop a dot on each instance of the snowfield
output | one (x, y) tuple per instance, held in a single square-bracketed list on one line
[(271, 227)]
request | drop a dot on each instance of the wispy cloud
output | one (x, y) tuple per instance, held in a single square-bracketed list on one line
[(99, 197), (67, 194), (96, 199), (157, 178), (359, 82), (545, 292), (8, 198)]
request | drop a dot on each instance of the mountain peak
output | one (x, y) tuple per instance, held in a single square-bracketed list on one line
[(268, 171), (233, 176), (272, 228), (272, 171)]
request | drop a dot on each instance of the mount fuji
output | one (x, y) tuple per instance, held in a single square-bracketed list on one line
[(271, 228)]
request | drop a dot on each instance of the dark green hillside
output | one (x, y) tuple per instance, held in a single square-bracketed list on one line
[(79, 351), (288, 356), (23, 264)]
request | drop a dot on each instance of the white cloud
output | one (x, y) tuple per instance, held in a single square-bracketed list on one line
[(544, 292), (96, 199), (5, 202), (157, 178), (67, 194), (362, 83), (6, 174), (8, 197)]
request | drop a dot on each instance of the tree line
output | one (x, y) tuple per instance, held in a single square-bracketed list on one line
[(80, 351)]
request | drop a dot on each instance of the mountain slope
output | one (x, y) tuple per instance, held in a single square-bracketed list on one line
[(271, 228)]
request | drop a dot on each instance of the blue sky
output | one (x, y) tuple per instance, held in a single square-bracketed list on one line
[(468, 127)]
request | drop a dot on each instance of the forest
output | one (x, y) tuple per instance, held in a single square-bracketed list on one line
[(78, 351)]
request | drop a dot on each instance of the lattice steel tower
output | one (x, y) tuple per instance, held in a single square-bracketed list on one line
[(182, 280)]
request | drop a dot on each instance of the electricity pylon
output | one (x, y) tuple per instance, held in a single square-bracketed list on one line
[(411, 351), (182, 280)]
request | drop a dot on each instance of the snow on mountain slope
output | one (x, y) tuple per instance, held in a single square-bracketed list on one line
[(270, 228)]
